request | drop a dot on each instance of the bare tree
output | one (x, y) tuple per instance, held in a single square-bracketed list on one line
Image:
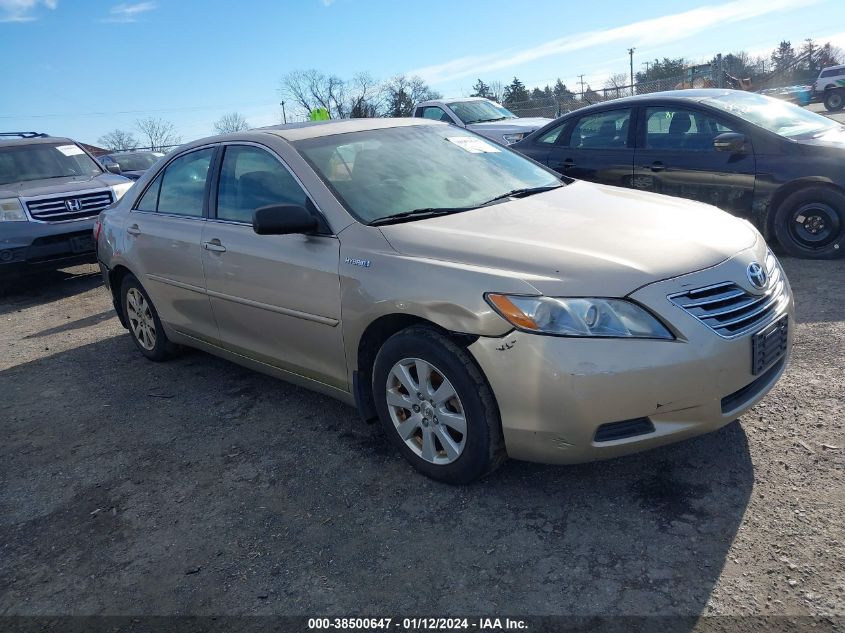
[(497, 90), (232, 122), (403, 92), (617, 85), (312, 89), (159, 133), (366, 96), (118, 140)]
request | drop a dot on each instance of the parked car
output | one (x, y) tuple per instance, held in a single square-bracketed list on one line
[(129, 164), (760, 158), (480, 115), (830, 87), (464, 295), (51, 190)]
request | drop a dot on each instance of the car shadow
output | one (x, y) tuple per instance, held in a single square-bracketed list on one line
[(46, 286), (199, 487)]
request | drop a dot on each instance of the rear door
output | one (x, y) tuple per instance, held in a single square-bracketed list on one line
[(675, 156), (597, 146), (164, 234), (276, 298)]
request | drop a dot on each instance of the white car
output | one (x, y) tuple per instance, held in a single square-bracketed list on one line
[(830, 87), (482, 116)]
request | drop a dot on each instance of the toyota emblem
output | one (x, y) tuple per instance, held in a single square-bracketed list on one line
[(757, 275)]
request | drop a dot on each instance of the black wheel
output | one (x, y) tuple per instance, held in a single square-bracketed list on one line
[(436, 407), (834, 100), (810, 223), (144, 324)]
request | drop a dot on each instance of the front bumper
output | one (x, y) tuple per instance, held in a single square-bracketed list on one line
[(555, 393), (26, 245)]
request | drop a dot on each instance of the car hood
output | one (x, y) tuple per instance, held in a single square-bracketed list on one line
[(582, 239), (509, 126), (58, 186)]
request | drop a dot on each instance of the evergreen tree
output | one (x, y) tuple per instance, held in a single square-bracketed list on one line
[(481, 89), (516, 92)]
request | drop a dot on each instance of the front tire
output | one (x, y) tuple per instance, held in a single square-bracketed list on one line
[(810, 223), (436, 407), (142, 318), (834, 100)]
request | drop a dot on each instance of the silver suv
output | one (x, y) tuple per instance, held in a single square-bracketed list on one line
[(467, 297), (482, 116), (51, 191)]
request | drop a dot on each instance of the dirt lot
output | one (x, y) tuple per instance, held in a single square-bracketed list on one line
[(198, 487)]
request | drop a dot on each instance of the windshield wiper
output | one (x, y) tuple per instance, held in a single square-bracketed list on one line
[(418, 214), (521, 193)]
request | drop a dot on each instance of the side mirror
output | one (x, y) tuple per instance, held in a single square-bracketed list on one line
[(729, 142), (283, 219), (114, 168)]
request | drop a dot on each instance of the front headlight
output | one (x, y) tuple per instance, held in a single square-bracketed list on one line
[(11, 210), (579, 316), (510, 139), (119, 190)]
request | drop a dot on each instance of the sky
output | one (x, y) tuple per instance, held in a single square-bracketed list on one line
[(81, 68)]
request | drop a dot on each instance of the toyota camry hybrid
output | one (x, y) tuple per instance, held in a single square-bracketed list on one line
[(471, 300)]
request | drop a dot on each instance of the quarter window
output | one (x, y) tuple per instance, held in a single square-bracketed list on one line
[(551, 137), (680, 129), (251, 178), (183, 184), (149, 201), (603, 130)]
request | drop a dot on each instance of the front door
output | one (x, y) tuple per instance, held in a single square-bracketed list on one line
[(597, 147), (675, 156), (276, 298), (164, 234)]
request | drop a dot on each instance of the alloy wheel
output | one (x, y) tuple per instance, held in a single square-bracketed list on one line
[(426, 411), (141, 319)]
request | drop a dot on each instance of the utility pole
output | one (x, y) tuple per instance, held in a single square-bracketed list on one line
[(581, 77), (631, 59), (284, 116)]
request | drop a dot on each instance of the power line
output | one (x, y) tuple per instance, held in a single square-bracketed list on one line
[(117, 112)]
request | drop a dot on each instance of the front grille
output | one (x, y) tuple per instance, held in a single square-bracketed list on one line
[(69, 207), (732, 311)]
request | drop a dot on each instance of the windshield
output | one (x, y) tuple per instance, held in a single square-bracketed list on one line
[(479, 111), (775, 115), (134, 162), (380, 173), (38, 161)]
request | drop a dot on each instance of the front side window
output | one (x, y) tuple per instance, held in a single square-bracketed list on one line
[(251, 178), (552, 135), (435, 114), (383, 172), (43, 161), (183, 184), (681, 129), (603, 130)]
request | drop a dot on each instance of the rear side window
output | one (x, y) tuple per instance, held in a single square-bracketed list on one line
[(182, 187), (603, 130), (832, 72), (251, 178)]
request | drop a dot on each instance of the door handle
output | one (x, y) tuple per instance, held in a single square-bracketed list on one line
[(214, 245), (655, 166), (565, 164), (133, 230)]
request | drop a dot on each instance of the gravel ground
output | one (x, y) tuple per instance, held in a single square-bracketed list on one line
[(199, 487)]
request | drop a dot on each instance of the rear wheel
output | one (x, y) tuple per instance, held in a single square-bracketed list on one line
[(436, 407), (834, 100), (810, 223), (142, 319)]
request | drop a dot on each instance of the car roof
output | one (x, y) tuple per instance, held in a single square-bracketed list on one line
[(449, 100), (680, 96), (40, 140), (308, 129)]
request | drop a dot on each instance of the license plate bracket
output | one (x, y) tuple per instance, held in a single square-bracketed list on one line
[(82, 244), (769, 345)]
